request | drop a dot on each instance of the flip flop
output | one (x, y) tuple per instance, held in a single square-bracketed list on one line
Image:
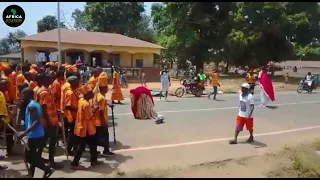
[(233, 142)]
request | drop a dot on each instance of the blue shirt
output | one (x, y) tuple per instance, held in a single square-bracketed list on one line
[(38, 131)]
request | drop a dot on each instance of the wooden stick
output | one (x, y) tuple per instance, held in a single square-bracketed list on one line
[(24, 143), (63, 133), (113, 125)]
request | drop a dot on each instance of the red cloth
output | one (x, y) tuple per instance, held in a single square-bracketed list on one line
[(137, 92), (266, 83)]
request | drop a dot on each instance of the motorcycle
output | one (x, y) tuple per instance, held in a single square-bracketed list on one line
[(305, 86), (189, 86)]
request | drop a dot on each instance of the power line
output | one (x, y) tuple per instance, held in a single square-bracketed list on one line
[(65, 19)]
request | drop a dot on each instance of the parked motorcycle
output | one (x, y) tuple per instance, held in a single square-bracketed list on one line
[(306, 86), (189, 86)]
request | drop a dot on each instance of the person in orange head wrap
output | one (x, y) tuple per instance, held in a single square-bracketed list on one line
[(7, 74), (20, 78), (85, 130), (101, 115), (116, 93)]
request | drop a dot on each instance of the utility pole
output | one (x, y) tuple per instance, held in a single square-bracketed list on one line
[(59, 36)]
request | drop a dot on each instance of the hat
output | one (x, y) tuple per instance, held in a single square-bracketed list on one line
[(4, 66), (84, 89), (72, 78), (245, 85), (103, 79)]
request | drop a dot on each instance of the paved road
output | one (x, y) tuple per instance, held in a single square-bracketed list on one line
[(197, 130)]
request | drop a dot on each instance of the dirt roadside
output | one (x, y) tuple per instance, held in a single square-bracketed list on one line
[(300, 161), (228, 86)]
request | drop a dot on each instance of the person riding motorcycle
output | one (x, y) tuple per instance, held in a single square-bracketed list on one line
[(201, 79), (309, 80)]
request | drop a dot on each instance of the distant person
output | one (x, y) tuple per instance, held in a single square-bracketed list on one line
[(123, 77), (165, 82), (286, 78), (215, 83), (251, 79), (143, 79)]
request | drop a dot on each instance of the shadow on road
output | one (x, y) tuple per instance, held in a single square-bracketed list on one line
[(257, 144), (272, 107), (10, 173)]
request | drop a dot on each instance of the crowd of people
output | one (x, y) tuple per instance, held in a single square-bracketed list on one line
[(52, 97)]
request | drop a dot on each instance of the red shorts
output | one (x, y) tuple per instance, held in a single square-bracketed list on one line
[(241, 121)]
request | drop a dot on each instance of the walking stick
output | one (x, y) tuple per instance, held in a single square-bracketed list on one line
[(113, 126), (63, 133), (26, 147)]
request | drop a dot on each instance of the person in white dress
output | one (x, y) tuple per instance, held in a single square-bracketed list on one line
[(165, 83)]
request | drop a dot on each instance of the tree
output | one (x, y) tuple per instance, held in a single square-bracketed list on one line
[(195, 30), (125, 18), (48, 23), (10, 43)]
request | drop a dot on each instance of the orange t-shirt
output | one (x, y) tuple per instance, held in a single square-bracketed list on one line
[(12, 86), (102, 106), (20, 80), (56, 92), (64, 87), (85, 123), (46, 98), (71, 99)]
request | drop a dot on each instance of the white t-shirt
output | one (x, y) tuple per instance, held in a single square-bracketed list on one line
[(245, 105)]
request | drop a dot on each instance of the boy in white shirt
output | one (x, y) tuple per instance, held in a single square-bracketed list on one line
[(245, 113)]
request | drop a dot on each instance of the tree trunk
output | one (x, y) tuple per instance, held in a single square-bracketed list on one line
[(227, 68)]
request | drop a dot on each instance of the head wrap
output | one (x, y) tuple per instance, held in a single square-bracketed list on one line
[(4, 66), (84, 89), (103, 79)]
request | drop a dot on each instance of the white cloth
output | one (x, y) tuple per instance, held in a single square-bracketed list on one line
[(264, 96), (245, 105), (164, 78)]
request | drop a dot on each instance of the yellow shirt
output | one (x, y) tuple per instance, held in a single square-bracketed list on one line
[(102, 106), (84, 124), (3, 107)]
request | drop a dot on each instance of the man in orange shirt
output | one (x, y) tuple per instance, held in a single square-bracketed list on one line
[(19, 81), (10, 79), (101, 116), (85, 130), (71, 108), (215, 83), (50, 116), (251, 79), (94, 79), (116, 93), (56, 88)]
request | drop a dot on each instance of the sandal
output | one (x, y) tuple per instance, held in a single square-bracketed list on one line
[(250, 140), (78, 167), (233, 142)]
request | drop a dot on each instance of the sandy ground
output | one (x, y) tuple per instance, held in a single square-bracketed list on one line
[(227, 85), (299, 161)]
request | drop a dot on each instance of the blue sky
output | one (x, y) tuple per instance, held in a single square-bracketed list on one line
[(36, 10)]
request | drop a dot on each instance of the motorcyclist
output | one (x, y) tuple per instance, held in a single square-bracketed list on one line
[(309, 80), (201, 78)]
